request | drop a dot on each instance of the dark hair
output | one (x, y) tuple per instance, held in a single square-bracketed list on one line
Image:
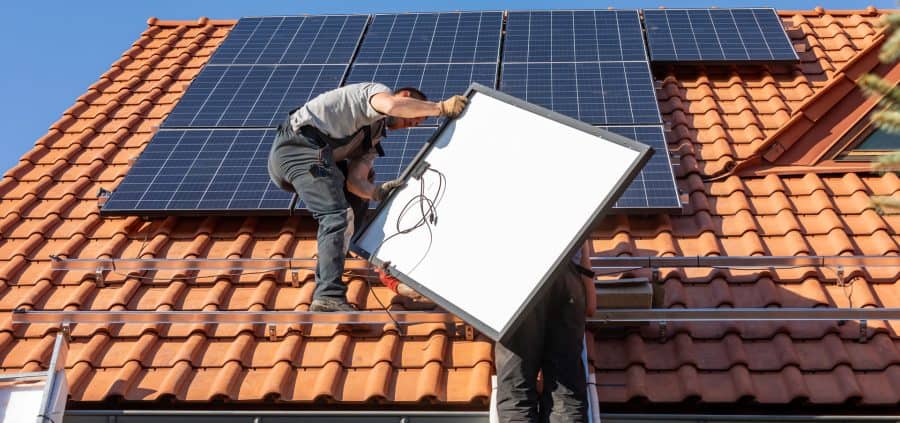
[(413, 92)]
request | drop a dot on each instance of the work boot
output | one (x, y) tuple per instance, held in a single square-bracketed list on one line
[(331, 304)]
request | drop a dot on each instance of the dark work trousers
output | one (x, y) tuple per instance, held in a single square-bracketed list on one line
[(306, 166), (549, 340)]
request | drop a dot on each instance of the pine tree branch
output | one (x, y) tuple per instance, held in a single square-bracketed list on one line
[(888, 163), (890, 51), (883, 204), (874, 86), (888, 120)]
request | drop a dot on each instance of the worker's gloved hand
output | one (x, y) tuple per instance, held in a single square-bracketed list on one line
[(453, 106), (382, 191), (395, 285)]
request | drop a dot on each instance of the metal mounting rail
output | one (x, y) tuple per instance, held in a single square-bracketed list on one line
[(190, 264), (743, 314), (105, 264), (745, 261), (229, 317)]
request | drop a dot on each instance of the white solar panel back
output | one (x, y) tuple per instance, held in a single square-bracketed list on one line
[(516, 188)]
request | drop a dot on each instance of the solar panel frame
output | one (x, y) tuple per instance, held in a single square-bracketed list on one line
[(750, 35)]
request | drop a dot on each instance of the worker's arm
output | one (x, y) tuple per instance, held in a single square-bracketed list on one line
[(408, 107), (361, 179), (358, 172)]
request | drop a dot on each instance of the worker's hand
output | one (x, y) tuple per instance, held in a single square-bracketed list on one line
[(404, 290), (453, 106), (382, 191), (395, 285)]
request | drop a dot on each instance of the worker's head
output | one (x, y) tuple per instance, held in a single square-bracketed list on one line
[(400, 123)]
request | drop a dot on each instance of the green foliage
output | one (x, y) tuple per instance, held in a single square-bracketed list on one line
[(887, 117)]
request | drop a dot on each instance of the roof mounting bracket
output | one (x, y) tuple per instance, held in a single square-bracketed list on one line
[(295, 279), (863, 331), (273, 333), (663, 326), (66, 329), (100, 276), (464, 331)]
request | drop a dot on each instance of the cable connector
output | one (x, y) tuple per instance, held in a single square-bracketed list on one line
[(419, 169)]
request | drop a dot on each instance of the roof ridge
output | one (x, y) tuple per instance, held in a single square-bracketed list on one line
[(201, 21)]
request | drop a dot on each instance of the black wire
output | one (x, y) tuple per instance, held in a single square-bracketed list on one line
[(427, 218), (390, 316)]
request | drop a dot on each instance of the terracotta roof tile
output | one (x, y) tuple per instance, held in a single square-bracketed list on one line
[(718, 116)]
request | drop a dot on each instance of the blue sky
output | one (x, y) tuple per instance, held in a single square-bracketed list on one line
[(55, 50)]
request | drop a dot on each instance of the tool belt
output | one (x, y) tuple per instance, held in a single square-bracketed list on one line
[(322, 139)]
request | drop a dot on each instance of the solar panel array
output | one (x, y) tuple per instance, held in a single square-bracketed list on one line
[(717, 35), (210, 155)]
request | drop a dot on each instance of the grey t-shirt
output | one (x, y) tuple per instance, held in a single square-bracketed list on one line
[(342, 111)]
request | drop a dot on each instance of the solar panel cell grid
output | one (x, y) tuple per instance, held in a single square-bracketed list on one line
[(201, 170), (573, 36), (250, 96), (400, 149), (610, 93), (432, 38), (292, 40)]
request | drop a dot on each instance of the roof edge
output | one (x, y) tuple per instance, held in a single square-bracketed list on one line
[(821, 11), (201, 21)]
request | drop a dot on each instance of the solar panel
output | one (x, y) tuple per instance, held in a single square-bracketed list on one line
[(600, 93), (654, 188), (717, 35), (292, 40), (573, 36), (455, 37), (250, 96), (201, 170)]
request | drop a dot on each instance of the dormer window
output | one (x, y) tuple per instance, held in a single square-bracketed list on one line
[(867, 142)]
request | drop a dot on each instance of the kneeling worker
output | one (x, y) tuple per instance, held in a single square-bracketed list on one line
[(326, 130)]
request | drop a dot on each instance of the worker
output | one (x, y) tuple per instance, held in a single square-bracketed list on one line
[(550, 340), (311, 142)]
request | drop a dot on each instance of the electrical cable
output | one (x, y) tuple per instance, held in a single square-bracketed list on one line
[(427, 218)]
